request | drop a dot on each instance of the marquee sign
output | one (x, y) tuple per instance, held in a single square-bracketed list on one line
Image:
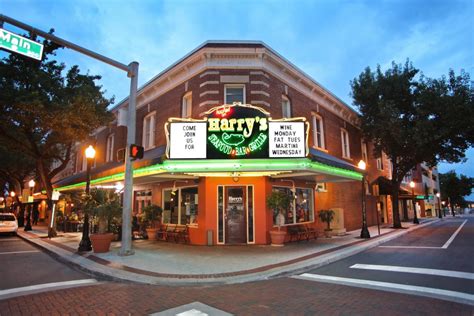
[(236, 131)]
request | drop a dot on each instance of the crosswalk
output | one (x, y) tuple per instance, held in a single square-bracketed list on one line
[(453, 296), (25, 290), (437, 272)]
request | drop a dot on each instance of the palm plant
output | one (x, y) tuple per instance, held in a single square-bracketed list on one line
[(326, 216), (278, 201)]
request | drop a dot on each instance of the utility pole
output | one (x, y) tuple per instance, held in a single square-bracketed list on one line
[(132, 73)]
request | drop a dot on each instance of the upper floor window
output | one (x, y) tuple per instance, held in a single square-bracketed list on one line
[(345, 144), (149, 131), (285, 107), (380, 162), (84, 163), (365, 156), (318, 131), (186, 107), (109, 151), (234, 93)]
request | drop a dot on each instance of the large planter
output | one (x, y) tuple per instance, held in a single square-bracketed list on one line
[(101, 242), (152, 233), (277, 237)]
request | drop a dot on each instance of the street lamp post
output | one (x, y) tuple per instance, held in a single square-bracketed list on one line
[(85, 244), (415, 218), (364, 233), (438, 195), (28, 227)]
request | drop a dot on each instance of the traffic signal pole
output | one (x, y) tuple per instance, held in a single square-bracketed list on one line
[(132, 73), (126, 247)]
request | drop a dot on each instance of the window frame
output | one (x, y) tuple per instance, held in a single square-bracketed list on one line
[(109, 148), (151, 143), (285, 100), (310, 200), (315, 119), (380, 162), (345, 143), (187, 107), (364, 152), (178, 195), (234, 86)]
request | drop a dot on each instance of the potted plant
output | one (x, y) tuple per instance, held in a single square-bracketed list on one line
[(326, 216), (278, 201), (150, 217), (105, 206)]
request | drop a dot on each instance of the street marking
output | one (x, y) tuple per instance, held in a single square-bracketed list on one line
[(12, 252), (192, 309), (414, 247), (41, 287), (436, 272), (445, 246), (450, 240), (453, 296)]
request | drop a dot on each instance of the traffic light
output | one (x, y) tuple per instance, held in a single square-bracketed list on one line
[(136, 152)]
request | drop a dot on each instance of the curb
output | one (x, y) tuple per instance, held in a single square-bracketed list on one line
[(106, 271)]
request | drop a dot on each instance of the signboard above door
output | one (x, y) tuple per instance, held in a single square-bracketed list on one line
[(237, 131)]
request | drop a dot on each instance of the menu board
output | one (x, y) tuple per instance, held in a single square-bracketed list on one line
[(286, 140), (188, 140)]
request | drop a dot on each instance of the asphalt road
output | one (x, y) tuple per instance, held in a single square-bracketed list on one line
[(24, 265), (421, 249), (438, 257)]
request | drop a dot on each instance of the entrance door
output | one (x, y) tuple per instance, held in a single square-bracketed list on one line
[(235, 215)]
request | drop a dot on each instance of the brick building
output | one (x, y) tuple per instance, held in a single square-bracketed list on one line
[(221, 194)]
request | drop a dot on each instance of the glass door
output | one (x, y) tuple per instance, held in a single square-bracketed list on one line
[(235, 215)]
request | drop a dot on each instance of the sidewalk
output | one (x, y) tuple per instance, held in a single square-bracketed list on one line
[(156, 262)]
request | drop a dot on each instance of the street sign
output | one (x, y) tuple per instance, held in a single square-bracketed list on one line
[(21, 45)]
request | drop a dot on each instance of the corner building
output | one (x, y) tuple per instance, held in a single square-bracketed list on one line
[(274, 128)]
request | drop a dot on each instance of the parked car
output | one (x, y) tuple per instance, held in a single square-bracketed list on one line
[(8, 223)]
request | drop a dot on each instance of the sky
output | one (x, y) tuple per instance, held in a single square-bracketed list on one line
[(330, 40)]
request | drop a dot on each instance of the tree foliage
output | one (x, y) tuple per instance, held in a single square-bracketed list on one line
[(414, 119), (15, 168), (455, 188), (44, 113), (104, 205)]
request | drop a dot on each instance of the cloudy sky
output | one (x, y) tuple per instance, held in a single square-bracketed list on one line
[(331, 40)]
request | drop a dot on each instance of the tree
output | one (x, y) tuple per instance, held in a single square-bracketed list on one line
[(455, 188), (15, 168), (414, 119), (44, 113)]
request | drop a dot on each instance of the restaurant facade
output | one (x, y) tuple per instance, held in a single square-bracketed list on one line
[(225, 126)]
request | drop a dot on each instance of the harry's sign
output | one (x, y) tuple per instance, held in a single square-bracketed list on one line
[(236, 131)]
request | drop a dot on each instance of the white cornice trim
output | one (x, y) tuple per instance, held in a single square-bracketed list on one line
[(211, 72), (261, 59)]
